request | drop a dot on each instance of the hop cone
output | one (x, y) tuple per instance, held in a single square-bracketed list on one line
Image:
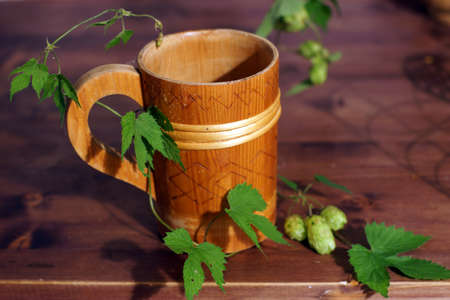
[(293, 23), (320, 236), (334, 216), (295, 228)]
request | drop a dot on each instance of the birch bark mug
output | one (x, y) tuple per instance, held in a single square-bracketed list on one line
[(219, 88)]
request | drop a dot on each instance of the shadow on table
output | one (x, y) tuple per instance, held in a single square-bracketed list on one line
[(148, 275)]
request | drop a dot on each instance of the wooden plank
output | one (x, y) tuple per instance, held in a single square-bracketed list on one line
[(69, 232)]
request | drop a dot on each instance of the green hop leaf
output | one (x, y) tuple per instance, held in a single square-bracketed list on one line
[(19, 83), (335, 217), (148, 138), (390, 240), (418, 268), (318, 12), (160, 118), (370, 268), (289, 183), (38, 73), (328, 182), (295, 228), (211, 255), (127, 122), (39, 78), (144, 155), (49, 86), (244, 200), (22, 80), (320, 236), (309, 49), (68, 89), (26, 68), (300, 87), (106, 23), (171, 150), (147, 127), (318, 73), (123, 36), (385, 242), (60, 102), (179, 241), (126, 35)]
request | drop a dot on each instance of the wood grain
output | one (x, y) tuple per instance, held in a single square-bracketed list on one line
[(380, 126)]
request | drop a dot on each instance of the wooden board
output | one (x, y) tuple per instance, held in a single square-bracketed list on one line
[(380, 126)]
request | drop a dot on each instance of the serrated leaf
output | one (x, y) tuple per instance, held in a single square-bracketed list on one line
[(113, 42), (49, 86), (150, 153), (25, 68), (244, 200), (212, 256), (171, 150), (39, 77), (22, 81), (214, 259), (148, 138), (268, 229), (160, 118), (289, 183), (193, 277), (178, 241), (370, 265), (60, 102), (298, 88), (141, 153), (147, 127), (19, 83), (389, 241), (419, 268), (125, 35), (318, 12), (326, 181), (68, 89), (370, 269), (127, 123)]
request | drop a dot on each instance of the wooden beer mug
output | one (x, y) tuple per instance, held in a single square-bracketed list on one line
[(219, 88)]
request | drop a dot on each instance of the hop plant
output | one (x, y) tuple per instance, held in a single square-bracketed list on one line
[(310, 49), (293, 23), (320, 236), (335, 217), (318, 73), (294, 227)]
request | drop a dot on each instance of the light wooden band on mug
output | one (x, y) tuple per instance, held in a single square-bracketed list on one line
[(219, 136)]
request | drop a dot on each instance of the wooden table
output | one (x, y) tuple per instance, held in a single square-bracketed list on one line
[(380, 126)]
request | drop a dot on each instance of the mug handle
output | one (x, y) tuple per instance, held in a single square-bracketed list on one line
[(99, 82)]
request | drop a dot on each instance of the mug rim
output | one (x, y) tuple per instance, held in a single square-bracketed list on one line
[(202, 31)]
